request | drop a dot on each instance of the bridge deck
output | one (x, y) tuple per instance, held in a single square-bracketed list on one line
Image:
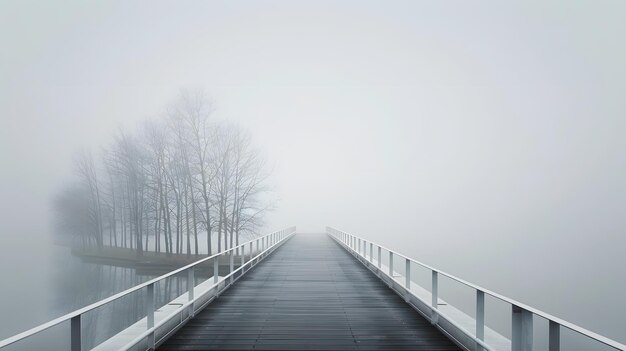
[(309, 295)]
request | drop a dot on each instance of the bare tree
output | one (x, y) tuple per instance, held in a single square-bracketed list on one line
[(190, 116), (249, 175), (87, 172), (162, 186)]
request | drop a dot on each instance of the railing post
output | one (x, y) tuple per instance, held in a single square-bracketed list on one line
[(379, 256), (480, 318), (371, 252), (391, 264), (434, 297), (554, 336), (150, 308), (358, 246), (75, 338), (407, 278), (522, 329), (191, 284), (243, 258), (251, 254), (231, 266), (216, 269)]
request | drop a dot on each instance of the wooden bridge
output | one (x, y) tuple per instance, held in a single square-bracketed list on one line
[(332, 291), (310, 294)]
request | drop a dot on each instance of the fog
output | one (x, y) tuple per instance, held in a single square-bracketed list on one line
[(481, 137)]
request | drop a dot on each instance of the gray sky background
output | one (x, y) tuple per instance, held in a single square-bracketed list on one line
[(456, 130)]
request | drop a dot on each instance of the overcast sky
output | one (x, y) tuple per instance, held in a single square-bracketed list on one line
[(404, 109), (439, 117), (442, 124)]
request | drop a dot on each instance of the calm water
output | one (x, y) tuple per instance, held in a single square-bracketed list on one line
[(53, 282)]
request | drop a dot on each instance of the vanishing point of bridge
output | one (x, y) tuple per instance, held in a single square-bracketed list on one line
[(332, 291)]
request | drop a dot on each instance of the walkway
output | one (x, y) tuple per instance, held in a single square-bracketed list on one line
[(309, 295)]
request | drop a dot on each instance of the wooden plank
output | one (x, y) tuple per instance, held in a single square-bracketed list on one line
[(309, 295)]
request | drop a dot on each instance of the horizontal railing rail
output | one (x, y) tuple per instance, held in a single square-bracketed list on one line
[(264, 245), (521, 314)]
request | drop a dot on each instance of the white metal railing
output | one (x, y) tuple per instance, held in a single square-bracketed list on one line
[(264, 245), (521, 314)]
